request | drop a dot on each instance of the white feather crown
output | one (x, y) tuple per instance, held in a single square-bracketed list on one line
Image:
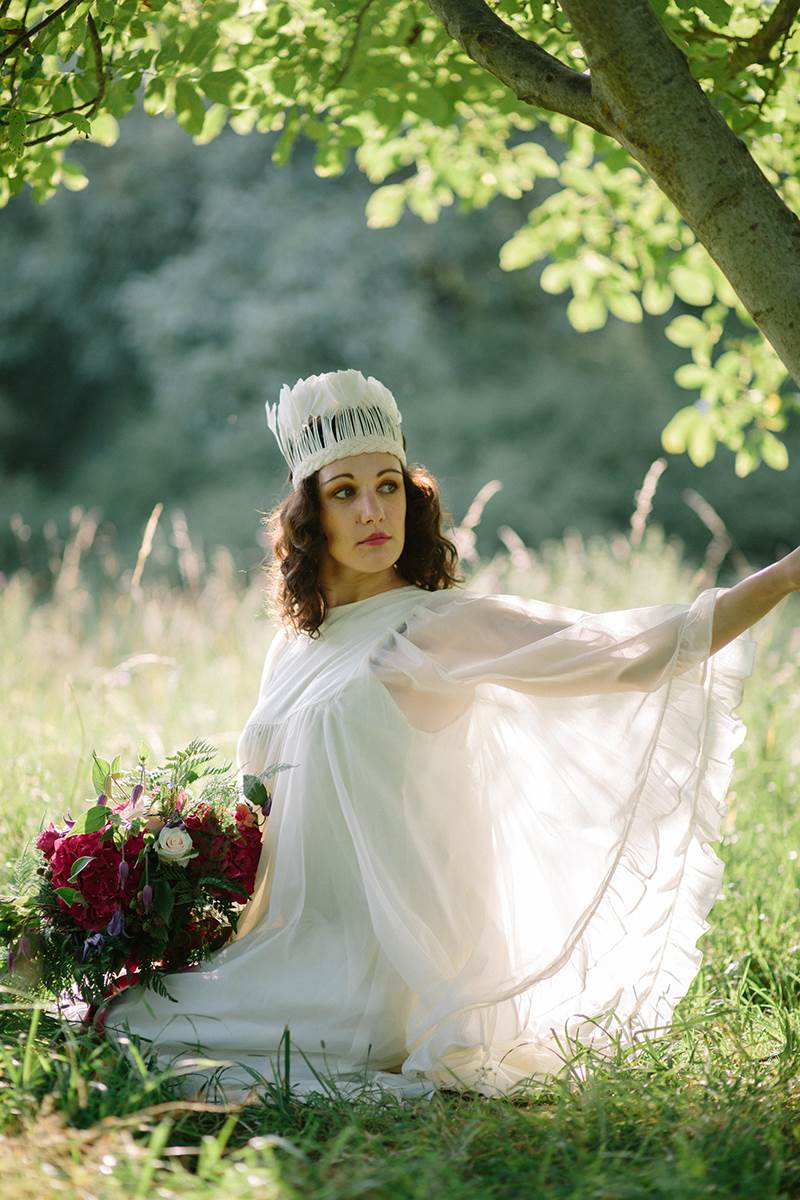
[(327, 417)]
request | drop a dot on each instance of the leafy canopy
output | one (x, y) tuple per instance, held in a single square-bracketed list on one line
[(385, 85)]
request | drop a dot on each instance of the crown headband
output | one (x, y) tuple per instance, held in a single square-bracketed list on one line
[(327, 417)]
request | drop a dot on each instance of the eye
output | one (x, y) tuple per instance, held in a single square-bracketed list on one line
[(347, 488)]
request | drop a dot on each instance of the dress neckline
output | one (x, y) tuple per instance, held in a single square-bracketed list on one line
[(343, 609)]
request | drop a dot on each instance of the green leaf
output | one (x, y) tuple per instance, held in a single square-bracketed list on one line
[(520, 250), (73, 177), (254, 790), (702, 443), (71, 895), (718, 11), (200, 44), (293, 122), (686, 331), (242, 120), (691, 375), (331, 158), (691, 286), (78, 866), (104, 131), (100, 772), (189, 108), (225, 87), (587, 312), (119, 98), (385, 206), (774, 452), (163, 900), (675, 435), (90, 821), (624, 305), (657, 297), (746, 461), (62, 96), (214, 123), (556, 277), (33, 67), (155, 96), (85, 87), (16, 132)]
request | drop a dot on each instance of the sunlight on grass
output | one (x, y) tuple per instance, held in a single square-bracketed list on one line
[(710, 1108)]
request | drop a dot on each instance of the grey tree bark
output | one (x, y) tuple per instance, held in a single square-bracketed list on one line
[(640, 91)]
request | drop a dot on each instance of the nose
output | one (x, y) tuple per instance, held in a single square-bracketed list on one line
[(372, 509)]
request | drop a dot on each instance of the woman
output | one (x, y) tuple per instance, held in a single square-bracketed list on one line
[(492, 845)]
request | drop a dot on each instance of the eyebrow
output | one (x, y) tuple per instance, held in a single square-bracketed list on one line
[(347, 475)]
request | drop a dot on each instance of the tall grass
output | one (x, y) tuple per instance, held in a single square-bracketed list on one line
[(708, 1109)]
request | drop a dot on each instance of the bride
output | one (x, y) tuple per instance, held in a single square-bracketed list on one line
[(493, 844)]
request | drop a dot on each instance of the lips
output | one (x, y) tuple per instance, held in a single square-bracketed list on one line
[(374, 540)]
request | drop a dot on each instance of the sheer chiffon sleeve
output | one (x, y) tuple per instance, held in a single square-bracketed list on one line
[(575, 766), (542, 649)]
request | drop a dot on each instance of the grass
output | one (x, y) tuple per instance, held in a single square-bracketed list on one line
[(712, 1108)]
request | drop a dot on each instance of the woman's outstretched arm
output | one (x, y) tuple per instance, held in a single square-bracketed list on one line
[(752, 598)]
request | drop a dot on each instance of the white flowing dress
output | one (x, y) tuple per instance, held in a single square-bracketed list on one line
[(493, 845)]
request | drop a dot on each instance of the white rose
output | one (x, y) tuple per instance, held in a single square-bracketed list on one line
[(175, 845)]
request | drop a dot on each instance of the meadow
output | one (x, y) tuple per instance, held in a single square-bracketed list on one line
[(710, 1108)]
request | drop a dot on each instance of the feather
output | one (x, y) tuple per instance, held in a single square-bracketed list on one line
[(325, 417)]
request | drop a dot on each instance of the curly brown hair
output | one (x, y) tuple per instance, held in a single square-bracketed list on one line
[(294, 596)]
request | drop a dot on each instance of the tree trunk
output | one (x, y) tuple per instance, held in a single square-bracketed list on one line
[(644, 96)]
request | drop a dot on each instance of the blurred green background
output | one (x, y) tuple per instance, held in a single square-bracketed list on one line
[(145, 321)]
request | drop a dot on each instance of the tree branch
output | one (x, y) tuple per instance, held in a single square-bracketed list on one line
[(92, 105), (533, 75), (27, 34), (757, 48)]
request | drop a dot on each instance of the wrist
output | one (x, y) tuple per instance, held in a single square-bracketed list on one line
[(787, 573)]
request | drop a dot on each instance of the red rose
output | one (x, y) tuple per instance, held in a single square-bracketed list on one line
[(202, 816), (47, 840), (244, 851), (233, 853), (98, 882)]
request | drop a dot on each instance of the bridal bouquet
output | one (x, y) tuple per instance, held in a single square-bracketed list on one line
[(150, 878)]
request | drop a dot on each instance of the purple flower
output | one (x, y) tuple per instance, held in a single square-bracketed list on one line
[(93, 941), (68, 820), (102, 798), (147, 897), (123, 872), (116, 926), (136, 793)]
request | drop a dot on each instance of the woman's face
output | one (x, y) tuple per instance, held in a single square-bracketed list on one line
[(360, 496)]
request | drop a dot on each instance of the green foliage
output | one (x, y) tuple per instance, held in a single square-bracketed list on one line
[(191, 763), (389, 88), (188, 320)]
